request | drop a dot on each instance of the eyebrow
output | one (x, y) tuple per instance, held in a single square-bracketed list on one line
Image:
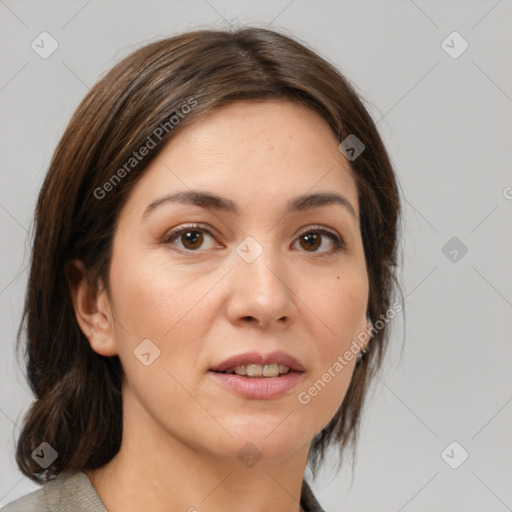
[(203, 199)]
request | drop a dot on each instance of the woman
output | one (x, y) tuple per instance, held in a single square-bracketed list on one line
[(215, 245)]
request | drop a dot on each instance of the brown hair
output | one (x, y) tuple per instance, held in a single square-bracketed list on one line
[(78, 401)]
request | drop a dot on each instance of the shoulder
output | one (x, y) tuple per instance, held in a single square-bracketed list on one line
[(68, 492)]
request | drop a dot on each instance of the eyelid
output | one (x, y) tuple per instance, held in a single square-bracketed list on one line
[(324, 230)]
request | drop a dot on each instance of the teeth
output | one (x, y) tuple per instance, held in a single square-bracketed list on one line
[(240, 370), (258, 370), (254, 370), (271, 370)]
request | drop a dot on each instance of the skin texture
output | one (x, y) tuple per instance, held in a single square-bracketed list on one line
[(181, 429)]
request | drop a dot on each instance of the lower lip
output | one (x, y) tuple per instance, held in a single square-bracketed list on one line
[(260, 388)]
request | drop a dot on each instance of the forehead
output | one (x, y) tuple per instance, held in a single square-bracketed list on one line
[(264, 130), (252, 151)]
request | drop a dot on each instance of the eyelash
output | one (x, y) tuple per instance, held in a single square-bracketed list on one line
[(339, 243)]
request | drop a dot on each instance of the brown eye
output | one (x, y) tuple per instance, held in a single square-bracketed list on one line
[(312, 240), (188, 238)]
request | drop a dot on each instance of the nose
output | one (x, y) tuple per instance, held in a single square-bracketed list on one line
[(261, 292)]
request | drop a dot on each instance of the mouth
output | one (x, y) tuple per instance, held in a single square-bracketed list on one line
[(258, 376), (254, 364), (258, 370)]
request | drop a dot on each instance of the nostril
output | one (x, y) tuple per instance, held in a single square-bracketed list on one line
[(251, 319)]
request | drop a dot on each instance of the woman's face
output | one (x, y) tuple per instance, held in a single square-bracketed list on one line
[(261, 269)]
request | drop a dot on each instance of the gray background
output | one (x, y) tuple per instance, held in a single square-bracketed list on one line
[(447, 124)]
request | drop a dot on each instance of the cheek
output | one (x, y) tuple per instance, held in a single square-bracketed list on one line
[(339, 302), (156, 302), (171, 307), (339, 305), (153, 299)]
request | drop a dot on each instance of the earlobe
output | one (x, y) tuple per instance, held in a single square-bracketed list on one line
[(92, 309)]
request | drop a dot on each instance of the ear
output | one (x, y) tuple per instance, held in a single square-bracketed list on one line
[(92, 309)]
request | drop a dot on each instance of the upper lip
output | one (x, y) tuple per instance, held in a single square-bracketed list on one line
[(257, 358)]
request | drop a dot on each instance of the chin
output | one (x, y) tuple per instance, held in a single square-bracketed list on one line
[(268, 440)]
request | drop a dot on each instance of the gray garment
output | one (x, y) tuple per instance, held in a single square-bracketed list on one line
[(68, 492), (73, 492)]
